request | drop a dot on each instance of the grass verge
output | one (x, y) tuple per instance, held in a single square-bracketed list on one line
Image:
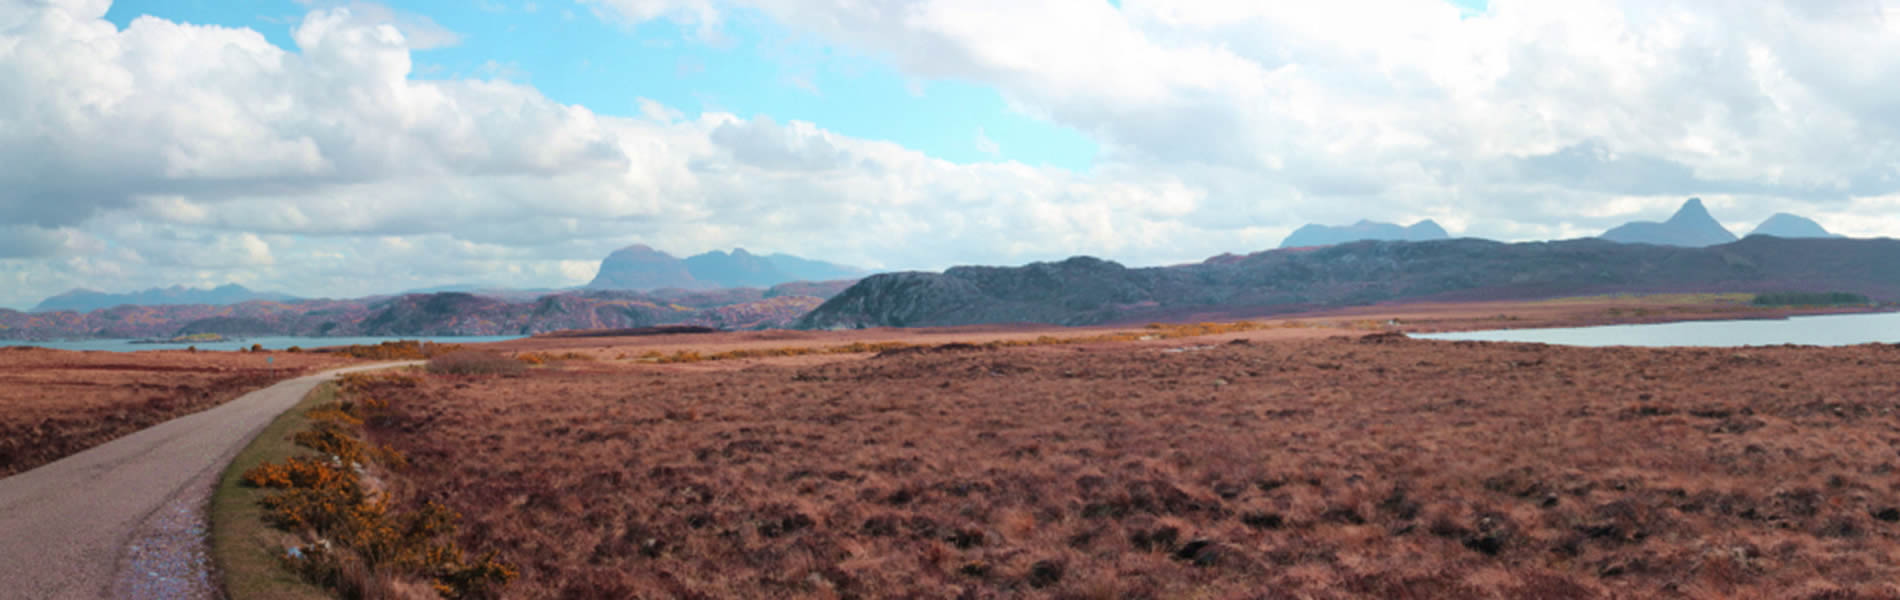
[(244, 548)]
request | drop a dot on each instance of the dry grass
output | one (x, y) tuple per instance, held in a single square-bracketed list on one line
[(246, 551), (395, 350), (1153, 331), (475, 362), (1377, 468), (54, 403), (355, 539)]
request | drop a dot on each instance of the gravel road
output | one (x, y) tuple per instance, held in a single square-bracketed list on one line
[(126, 519)]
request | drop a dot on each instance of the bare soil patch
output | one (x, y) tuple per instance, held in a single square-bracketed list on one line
[(1342, 467), (54, 403)]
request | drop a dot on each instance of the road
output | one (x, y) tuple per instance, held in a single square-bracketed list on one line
[(126, 518)]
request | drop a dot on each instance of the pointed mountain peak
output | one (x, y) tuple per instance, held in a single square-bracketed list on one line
[(1691, 210), (1691, 226)]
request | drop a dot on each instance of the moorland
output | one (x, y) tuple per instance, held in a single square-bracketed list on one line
[(56, 403), (1349, 465)]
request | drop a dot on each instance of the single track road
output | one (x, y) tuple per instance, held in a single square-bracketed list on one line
[(125, 519)]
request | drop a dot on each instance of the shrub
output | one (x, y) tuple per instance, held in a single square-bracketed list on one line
[(399, 350), (471, 362), (367, 542), (1810, 299)]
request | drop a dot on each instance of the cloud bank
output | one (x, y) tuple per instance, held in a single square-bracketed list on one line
[(173, 153)]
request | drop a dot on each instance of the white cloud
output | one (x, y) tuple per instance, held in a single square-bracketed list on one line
[(1375, 107), (172, 153), (206, 152)]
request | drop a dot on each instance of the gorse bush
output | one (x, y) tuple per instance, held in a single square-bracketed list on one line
[(298, 472), (471, 362), (542, 358), (398, 350), (363, 541)]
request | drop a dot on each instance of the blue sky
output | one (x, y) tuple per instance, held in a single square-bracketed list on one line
[(897, 134), (752, 66)]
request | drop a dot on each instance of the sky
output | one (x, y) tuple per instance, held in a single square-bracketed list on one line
[(331, 148)]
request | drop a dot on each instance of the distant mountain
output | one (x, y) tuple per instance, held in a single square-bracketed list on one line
[(1088, 291), (805, 269), (643, 268), (639, 267), (1691, 226), (1325, 235), (1791, 226), (736, 269), (84, 300)]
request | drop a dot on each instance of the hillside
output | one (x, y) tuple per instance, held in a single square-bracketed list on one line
[(1083, 291), (643, 268), (1326, 235), (84, 300), (1690, 226), (446, 313), (1791, 226)]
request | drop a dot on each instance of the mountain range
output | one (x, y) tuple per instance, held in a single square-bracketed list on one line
[(640, 267), (436, 314), (639, 286), (84, 300), (1692, 226), (1087, 291), (1326, 235)]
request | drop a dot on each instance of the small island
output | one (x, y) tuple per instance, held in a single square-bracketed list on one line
[(194, 338)]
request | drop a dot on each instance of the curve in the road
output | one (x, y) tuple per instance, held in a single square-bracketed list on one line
[(124, 519)]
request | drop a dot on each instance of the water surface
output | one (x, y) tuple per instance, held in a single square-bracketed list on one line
[(1820, 330), (268, 342)]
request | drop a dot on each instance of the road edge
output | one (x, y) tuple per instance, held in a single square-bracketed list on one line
[(240, 545)]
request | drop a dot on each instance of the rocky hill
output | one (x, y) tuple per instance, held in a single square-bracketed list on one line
[(84, 300), (643, 268), (1791, 226), (1084, 291), (446, 313), (1690, 226), (1326, 235)]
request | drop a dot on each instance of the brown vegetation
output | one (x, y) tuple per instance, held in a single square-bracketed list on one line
[(1371, 467), (394, 350), (54, 403), (475, 362), (356, 539)]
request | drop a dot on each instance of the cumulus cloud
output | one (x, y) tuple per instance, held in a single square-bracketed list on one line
[(174, 153), (1370, 100)]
